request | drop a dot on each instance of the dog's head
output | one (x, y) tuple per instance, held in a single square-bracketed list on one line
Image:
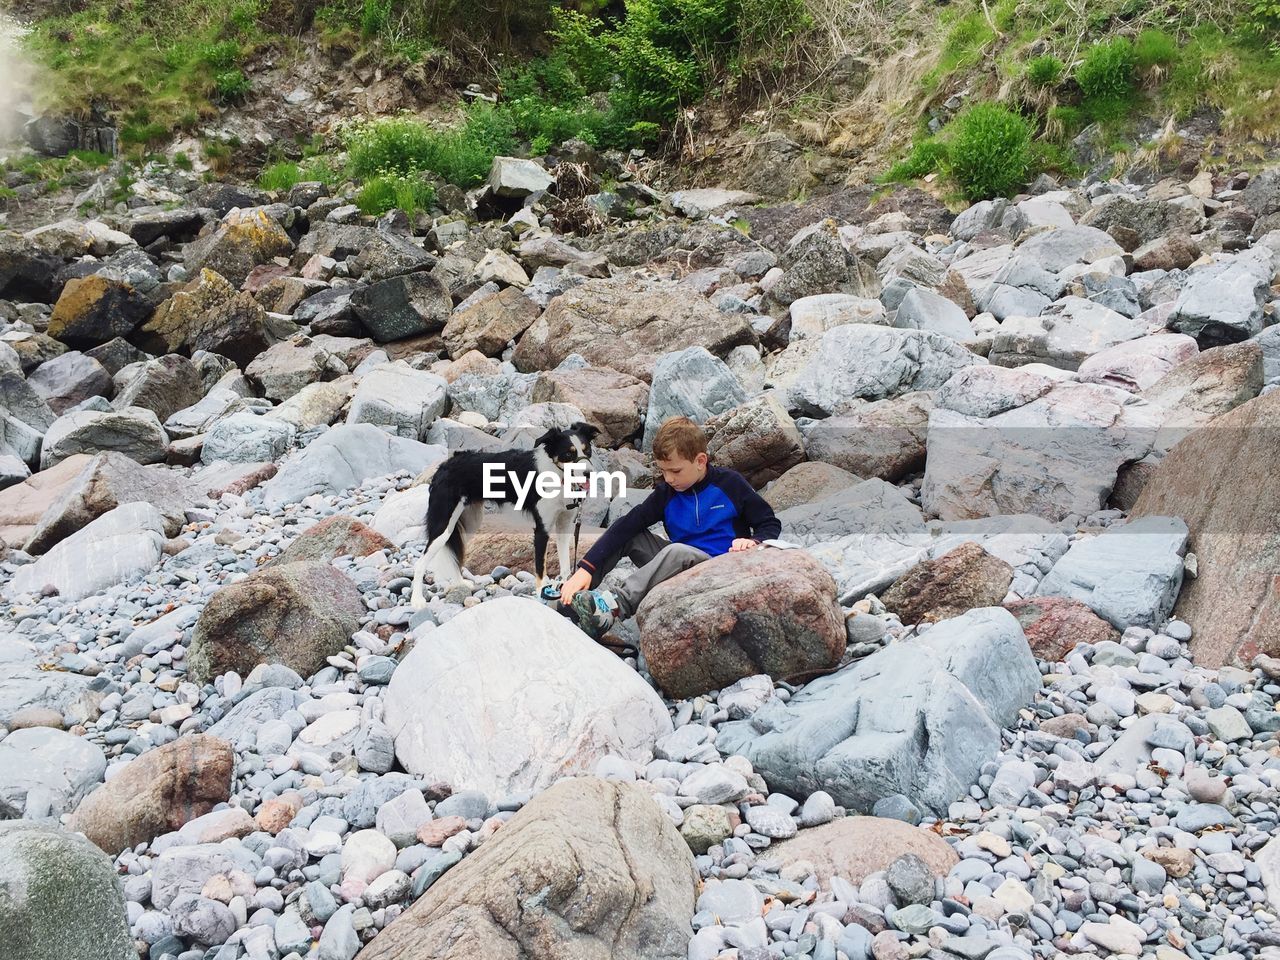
[(571, 444)]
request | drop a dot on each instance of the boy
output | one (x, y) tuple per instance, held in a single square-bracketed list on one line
[(706, 511)]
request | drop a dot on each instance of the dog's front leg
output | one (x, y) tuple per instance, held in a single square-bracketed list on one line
[(564, 542), (539, 554)]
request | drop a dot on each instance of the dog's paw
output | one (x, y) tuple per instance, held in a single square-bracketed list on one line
[(418, 602)]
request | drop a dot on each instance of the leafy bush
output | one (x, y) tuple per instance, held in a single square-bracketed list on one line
[(461, 155), (374, 16), (383, 193), (990, 151), (925, 157), (1106, 79), (1044, 71), (219, 56), (231, 85), (1154, 48)]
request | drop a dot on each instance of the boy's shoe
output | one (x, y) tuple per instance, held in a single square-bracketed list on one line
[(597, 611)]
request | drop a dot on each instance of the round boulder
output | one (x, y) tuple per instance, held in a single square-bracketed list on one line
[(759, 611), (59, 897), (295, 614)]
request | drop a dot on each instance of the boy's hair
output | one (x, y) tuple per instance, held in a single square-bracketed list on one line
[(679, 437)]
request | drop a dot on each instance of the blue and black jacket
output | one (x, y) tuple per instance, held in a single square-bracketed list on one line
[(710, 515)]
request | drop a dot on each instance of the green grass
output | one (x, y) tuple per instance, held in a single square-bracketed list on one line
[(380, 194), (164, 64)]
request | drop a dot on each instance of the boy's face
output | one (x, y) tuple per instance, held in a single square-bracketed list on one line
[(681, 474)]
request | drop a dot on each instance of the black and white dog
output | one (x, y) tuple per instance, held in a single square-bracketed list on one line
[(455, 505)]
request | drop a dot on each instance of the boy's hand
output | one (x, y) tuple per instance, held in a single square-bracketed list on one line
[(742, 543), (580, 580)]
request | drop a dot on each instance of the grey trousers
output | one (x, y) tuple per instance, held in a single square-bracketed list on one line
[(656, 559)]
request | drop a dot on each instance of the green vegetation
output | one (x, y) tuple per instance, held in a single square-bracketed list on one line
[(1044, 71), (1106, 79), (388, 191), (925, 157), (164, 65)]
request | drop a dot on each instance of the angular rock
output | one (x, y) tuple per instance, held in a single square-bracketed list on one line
[(1233, 605), (104, 483), (1059, 248), (873, 363), (343, 458), (627, 327), (807, 482), (164, 386), (490, 324), (919, 718), (22, 505), (953, 584), (296, 614), (516, 177), (403, 306), (397, 396), (1066, 335), (333, 537), (1136, 365), (757, 438), (690, 383), (69, 379), (737, 615), (45, 773), (1222, 302), (247, 239), (157, 793), (609, 400), (615, 876), (93, 310), (814, 315), (209, 314), (524, 698), (133, 431), (1054, 625), (1129, 575), (876, 438), (246, 437), (120, 544)]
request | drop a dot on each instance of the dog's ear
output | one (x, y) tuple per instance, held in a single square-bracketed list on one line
[(586, 429), (546, 437)]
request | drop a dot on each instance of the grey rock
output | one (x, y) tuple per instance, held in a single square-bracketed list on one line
[(927, 711), (46, 772), (1129, 575), (691, 383), (247, 438)]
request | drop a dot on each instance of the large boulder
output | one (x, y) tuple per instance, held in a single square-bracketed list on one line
[(157, 793), (589, 870), (510, 696), (60, 898), (1054, 625), (807, 482), (871, 362), (610, 401), (286, 368), (1057, 455), (345, 457), (1137, 364), (247, 437), (1059, 248), (1129, 575), (761, 611), (627, 327), (507, 540), (816, 261), (1221, 481), (208, 314), (689, 383), (23, 505), (853, 848), (874, 438), (45, 772), (953, 584), (135, 432), (403, 306), (249, 238), (333, 537), (23, 686), (93, 310), (295, 614), (164, 386), (757, 438), (69, 379), (122, 543), (105, 482), (398, 397), (1222, 301), (1064, 336), (490, 324), (919, 718)]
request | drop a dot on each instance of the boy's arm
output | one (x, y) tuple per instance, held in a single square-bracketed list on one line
[(640, 517), (754, 510)]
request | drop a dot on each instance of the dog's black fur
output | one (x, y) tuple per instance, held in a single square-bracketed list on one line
[(456, 503)]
